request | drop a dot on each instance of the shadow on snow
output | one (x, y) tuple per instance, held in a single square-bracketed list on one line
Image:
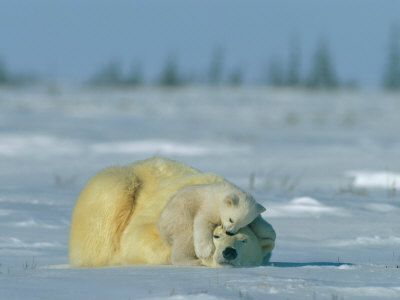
[(307, 264)]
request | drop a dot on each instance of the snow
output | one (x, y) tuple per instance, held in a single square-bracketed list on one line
[(380, 179), (302, 206), (325, 165)]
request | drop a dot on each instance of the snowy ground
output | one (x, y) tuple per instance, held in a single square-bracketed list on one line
[(327, 167)]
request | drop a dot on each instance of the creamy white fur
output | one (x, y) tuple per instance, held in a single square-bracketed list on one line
[(250, 250), (189, 218), (115, 216)]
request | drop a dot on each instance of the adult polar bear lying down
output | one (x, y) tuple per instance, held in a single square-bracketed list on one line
[(115, 216)]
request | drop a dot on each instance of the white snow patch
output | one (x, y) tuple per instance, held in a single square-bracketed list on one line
[(39, 145), (380, 179), (56, 267), (303, 206), (191, 296), (370, 291), (367, 241), (16, 145), (380, 207), (18, 252), (32, 223), (5, 212), (12, 242), (162, 147), (150, 146), (29, 201), (273, 290), (346, 267)]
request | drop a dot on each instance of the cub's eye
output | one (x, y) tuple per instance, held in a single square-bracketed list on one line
[(230, 220), (244, 241), (216, 236)]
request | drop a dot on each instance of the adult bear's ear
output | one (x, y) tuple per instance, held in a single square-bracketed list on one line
[(232, 200), (266, 245), (262, 229), (260, 208)]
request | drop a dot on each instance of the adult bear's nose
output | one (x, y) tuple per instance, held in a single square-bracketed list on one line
[(229, 253)]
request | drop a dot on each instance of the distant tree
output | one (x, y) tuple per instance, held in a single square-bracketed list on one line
[(110, 75), (169, 76), (276, 74), (7, 78), (216, 67), (322, 73), (135, 77), (293, 77), (236, 77), (4, 76), (391, 76)]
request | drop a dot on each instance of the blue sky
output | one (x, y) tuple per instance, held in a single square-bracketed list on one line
[(70, 40)]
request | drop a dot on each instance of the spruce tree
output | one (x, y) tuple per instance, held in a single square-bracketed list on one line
[(293, 73), (3, 73), (169, 76), (236, 77), (109, 75), (135, 77), (322, 73), (391, 76), (275, 73), (216, 67)]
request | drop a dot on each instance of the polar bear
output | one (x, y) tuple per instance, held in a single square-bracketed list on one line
[(241, 249), (195, 210), (115, 215)]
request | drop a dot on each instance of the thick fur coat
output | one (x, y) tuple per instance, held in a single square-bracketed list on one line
[(189, 218), (115, 216)]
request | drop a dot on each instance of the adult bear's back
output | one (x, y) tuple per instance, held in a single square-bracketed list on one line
[(118, 200)]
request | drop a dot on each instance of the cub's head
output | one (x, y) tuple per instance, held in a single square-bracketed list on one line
[(238, 210), (243, 249)]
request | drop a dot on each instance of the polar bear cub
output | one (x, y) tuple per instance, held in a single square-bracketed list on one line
[(189, 218)]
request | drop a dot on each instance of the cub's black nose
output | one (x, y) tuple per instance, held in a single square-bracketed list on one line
[(229, 233), (229, 253)]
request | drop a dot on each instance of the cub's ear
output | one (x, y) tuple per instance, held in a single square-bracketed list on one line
[(231, 200), (260, 208)]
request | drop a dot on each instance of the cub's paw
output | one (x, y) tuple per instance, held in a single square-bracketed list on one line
[(203, 249)]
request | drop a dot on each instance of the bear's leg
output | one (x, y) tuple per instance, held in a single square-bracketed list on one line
[(262, 229), (203, 236), (182, 252), (145, 246), (266, 259)]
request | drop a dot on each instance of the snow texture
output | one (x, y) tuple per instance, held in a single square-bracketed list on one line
[(325, 165)]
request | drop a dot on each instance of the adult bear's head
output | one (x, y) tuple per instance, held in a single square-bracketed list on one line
[(242, 249)]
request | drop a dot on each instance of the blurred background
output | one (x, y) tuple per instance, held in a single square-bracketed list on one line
[(295, 101), (307, 44)]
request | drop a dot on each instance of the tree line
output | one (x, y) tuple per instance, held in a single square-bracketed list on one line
[(10, 79), (321, 74)]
